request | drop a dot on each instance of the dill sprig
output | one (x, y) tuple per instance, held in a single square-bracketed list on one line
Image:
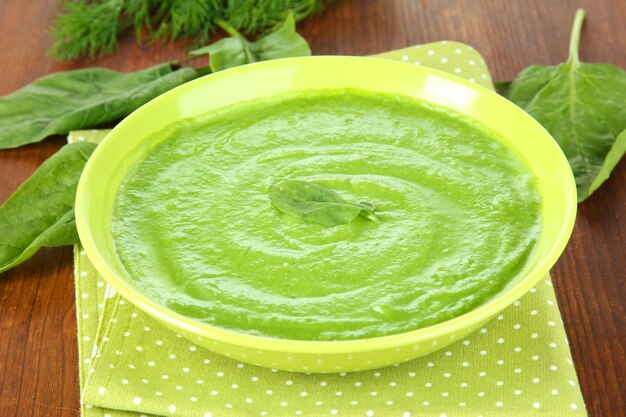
[(92, 27)]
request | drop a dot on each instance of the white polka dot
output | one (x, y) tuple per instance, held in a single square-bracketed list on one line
[(369, 413), (192, 348), (501, 340), (426, 403), (518, 371), (151, 363), (573, 406), (125, 381), (138, 348), (234, 386), (431, 52), (199, 382), (444, 60), (405, 58), (208, 414), (457, 50), (535, 380), (220, 374), (136, 400), (418, 63), (101, 390), (499, 404), (553, 368), (483, 330), (536, 405), (481, 394), (555, 392), (518, 392), (409, 394), (172, 408), (500, 383), (269, 392), (164, 376)]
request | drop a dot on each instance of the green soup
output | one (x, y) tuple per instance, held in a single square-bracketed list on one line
[(459, 216)]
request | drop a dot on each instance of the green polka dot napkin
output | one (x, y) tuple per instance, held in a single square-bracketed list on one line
[(517, 365)]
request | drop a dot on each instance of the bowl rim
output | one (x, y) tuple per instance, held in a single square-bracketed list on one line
[(218, 334)]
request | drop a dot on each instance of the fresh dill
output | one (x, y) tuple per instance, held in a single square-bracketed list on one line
[(92, 27)]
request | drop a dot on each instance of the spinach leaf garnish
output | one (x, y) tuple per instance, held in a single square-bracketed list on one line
[(82, 98), (41, 211), (583, 106), (282, 42), (314, 203)]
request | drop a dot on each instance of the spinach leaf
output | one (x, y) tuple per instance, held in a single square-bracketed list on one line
[(283, 42), (502, 87), (41, 211), (583, 106), (82, 98), (315, 203)]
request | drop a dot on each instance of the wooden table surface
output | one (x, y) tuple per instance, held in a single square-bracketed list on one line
[(38, 357)]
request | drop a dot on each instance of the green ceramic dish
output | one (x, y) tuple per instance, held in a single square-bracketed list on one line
[(113, 158)]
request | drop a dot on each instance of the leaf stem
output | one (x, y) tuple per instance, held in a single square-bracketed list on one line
[(228, 28), (574, 40)]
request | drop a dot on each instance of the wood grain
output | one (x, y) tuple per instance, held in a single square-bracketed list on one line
[(38, 359)]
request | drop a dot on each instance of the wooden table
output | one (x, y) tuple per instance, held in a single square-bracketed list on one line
[(38, 358)]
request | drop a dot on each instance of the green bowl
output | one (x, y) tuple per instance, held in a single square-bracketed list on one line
[(120, 149)]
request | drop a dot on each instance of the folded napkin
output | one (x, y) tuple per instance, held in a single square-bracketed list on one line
[(518, 365)]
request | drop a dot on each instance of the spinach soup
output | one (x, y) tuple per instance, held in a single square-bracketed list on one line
[(326, 215)]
